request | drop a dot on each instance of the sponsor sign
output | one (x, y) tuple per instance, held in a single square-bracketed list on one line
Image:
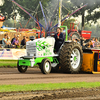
[(11, 54)]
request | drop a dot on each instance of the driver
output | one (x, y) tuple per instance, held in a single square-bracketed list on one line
[(59, 39)]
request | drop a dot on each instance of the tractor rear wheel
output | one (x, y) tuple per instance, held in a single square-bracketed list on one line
[(71, 57), (46, 66)]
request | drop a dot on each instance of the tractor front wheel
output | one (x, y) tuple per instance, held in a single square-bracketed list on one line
[(21, 69), (46, 66)]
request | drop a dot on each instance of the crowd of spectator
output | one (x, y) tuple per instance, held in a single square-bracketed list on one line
[(14, 42), (91, 43)]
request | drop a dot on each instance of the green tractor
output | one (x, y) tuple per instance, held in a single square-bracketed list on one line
[(41, 51)]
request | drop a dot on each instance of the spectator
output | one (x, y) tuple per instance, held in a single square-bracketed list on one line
[(85, 45), (93, 41), (82, 40), (8, 40), (90, 44), (4, 40), (23, 42), (27, 39), (16, 42), (9, 45), (7, 35), (13, 38), (36, 35), (96, 44)]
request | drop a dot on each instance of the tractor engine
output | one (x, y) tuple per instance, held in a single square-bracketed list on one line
[(41, 47)]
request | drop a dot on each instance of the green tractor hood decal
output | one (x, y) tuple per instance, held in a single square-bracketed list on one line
[(41, 45)]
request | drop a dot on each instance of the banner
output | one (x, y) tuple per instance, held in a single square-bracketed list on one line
[(11, 54)]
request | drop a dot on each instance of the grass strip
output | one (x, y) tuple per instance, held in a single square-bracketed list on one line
[(8, 63), (49, 86)]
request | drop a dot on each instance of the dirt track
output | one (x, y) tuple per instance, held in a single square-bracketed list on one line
[(34, 75), (67, 94)]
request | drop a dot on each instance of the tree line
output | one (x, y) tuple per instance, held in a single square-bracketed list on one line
[(32, 6)]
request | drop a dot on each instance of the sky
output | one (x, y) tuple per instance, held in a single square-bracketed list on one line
[(1, 3)]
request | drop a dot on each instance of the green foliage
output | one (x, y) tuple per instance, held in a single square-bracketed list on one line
[(10, 9), (66, 7), (33, 7), (92, 5), (10, 23), (7, 8), (68, 21), (31, 24)]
